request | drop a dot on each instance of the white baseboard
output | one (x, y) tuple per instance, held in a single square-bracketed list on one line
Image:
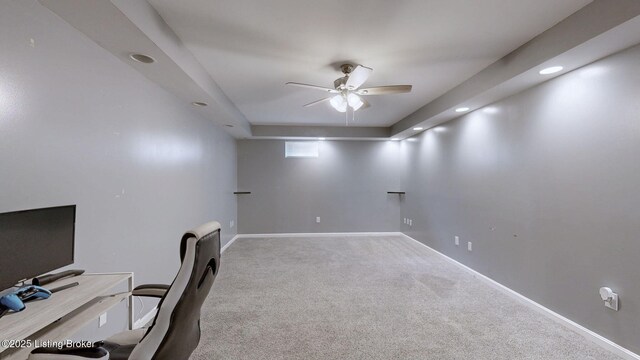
[(229, 243), (288, 235), (588, 334), (145, 319)]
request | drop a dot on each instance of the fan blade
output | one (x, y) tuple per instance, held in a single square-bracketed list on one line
[(384, 90), (316, 87), (317, 102), (357, 77)]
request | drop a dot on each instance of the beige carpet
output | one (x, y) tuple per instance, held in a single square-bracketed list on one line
[(368, 298)]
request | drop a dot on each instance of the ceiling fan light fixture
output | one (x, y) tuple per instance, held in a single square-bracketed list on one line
[(339, 103), (354, 101)]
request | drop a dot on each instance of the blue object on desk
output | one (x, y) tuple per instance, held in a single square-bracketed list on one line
[(33, 292), (12, 302), (15, 301)]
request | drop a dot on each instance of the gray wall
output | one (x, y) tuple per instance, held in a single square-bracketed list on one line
[(545, 185), (346, 186), (79, 126)]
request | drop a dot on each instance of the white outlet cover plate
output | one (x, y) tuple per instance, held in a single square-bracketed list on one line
[(102, 320), (469, 246), (613, 304)]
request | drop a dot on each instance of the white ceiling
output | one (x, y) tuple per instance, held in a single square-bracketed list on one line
[(251, 48)]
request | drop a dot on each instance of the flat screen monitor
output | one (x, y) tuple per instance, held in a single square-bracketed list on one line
[(35, 242)]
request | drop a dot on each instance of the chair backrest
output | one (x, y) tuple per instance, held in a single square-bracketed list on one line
[(175, 331)]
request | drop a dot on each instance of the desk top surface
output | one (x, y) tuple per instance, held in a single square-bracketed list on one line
[(40, 313)]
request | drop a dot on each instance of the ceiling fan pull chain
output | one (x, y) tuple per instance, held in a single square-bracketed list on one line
[(346, 117)]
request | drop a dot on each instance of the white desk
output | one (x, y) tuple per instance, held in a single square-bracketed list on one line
[(65, 312)]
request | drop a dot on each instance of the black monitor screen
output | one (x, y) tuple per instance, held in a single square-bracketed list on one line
[(35, 242)]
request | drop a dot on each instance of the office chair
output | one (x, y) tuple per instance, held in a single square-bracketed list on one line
[(175, 331)]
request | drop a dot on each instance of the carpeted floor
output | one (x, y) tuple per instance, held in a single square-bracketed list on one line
[(368, 298)]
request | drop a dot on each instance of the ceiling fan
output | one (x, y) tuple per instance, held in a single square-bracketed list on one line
[(347, 93)]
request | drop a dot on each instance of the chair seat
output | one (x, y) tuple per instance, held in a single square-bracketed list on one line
[(129, 337), (117, 352)]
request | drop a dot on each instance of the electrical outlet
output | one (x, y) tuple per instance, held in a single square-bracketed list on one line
[(469, 246), (231, 223), (457, 240), (405, 221), (609, 297), (318, 219), (102, 320)]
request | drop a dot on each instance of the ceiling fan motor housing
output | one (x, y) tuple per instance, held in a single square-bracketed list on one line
[(340, 83), (346, 68)]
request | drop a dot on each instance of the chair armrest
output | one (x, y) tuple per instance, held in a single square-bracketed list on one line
[(69, 353), (150, 290)]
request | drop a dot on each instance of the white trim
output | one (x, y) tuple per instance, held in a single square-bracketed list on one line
[(288, 235), (146, 318), (229, 243), (588, 334)]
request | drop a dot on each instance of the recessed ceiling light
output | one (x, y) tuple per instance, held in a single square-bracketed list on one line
[(417, 128), (321, 139), (394, 139), (462, 109), (551, 70), (145, 59), (198, 103)]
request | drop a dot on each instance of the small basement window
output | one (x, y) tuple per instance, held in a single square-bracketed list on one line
[(301, 149)]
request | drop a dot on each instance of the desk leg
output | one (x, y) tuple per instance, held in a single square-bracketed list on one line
[(131, 312)]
